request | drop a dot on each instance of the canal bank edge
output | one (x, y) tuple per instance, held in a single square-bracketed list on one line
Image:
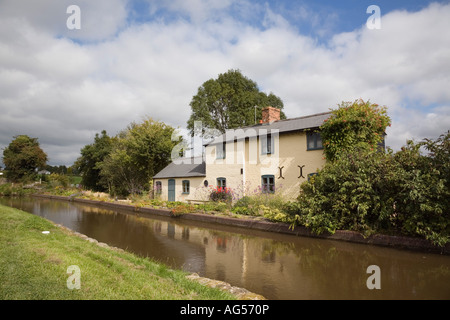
[(239, 293), (398, 242)]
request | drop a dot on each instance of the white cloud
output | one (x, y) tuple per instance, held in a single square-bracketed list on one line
[(63, 92), (416, 125), (100, 19)]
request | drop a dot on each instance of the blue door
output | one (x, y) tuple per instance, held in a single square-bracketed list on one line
[(171, 190)]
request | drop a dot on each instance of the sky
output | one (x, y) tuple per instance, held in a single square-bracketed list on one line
[(132, 59)]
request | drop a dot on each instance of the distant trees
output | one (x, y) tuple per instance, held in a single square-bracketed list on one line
[(229, 102), (61, 169), (126, 163), (138, 153), (22, 157), (92, 155)]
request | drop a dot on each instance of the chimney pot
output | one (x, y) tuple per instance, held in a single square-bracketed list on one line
[(270, 114)]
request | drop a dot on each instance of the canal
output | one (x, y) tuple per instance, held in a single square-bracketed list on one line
[(274, 265)]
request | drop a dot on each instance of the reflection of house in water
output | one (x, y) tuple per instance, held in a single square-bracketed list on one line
[(254, 263)]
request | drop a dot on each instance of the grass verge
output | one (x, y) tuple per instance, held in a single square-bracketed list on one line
[(34, 266)]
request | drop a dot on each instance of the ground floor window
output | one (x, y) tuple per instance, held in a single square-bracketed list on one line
[(186, 186), (268, 184), (221, 182), (158, 187)]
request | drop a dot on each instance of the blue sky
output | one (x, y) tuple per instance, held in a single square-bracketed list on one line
[(305, 16), (133, 59)]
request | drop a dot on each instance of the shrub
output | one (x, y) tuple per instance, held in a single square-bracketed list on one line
[(6, 190), (244, 202), (56, 179), (403, 193), (273, 214), (181, 209), (241, 210), (355, 125)]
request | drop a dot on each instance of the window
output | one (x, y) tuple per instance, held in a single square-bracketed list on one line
[(268, 184), (158, 187), (185, 186), (221, 151), (266, 144), (382, 144), (221, 182), (314, 141)]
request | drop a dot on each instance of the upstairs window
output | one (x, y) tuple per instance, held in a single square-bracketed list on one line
[(221, 150), (314, 141), (267, 144)]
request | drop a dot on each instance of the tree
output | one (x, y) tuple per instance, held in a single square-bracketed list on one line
[(354, 125), (22, 157), (139, 152), (92, 156), (229, 102)]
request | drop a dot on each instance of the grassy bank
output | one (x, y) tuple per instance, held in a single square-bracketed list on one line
[(33, 265)]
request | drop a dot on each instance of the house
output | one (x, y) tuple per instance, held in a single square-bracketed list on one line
[(176, 182), (274, 156)]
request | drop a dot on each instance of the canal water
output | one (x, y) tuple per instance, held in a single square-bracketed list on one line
[(274, 265)]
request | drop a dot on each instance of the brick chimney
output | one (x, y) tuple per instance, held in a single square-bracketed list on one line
[(270, 114)]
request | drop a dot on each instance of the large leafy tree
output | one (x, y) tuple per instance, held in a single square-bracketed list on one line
[(22, 157), (229, 102), (139, 152), (92, 155)]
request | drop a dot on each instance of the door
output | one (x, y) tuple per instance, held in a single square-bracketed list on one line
[(171, 190)]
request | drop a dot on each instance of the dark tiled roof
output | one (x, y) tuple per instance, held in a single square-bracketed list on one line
[(192, 167), (287, 125)]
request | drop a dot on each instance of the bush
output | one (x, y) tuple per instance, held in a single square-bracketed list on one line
[(357, 125), (180, 209), (6, 190), (404, 193), (270, 206), (245, 206), (273, 214), (245, 201), (241, 210), (60, 180)]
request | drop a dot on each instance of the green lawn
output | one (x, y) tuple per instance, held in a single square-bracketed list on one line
[(34, 265), (75, 179)]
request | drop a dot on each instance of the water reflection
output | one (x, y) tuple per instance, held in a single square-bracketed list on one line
[(276, 266)]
